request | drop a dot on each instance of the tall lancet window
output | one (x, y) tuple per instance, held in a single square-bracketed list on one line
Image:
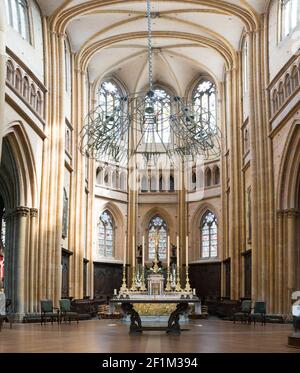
[(106, 234), (109, 98), (157, 226), (209, 236), (204, 102), (290, 16), (17, 14), (245, 65)]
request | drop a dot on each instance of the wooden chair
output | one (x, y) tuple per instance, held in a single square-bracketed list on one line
[(65, 311), (48, 311), (244, 314), (259, 312)]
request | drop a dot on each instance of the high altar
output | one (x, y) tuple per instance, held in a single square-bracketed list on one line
[(158, 298)]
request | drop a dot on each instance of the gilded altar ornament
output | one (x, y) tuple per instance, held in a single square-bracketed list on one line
[(124, 284), (156, 268), (151, 309), (178, 285), (188, 288), (133, 281), (168, 284)]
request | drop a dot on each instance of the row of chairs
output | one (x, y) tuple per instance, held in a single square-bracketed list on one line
[(49, 312), (247, 316)]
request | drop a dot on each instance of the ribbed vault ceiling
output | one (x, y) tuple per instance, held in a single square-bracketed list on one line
[(190, 38)]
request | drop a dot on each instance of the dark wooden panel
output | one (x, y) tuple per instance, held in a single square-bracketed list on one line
[(227, 270), (206, 278), (247, 274), (107, 277), (85, 273), (64, 275)]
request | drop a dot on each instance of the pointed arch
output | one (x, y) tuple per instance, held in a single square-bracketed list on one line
[(195, 224), (106, 234), (157, 225), (208, 235), (208, 177), (119, 226), (22, 153), (289, 174)]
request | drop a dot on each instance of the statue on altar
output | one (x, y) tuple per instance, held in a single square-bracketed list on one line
[(156, 278)]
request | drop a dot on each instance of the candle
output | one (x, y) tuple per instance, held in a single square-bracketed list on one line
[(133, 251), (124, 259), (187, 251), (168, 252), (115, 291), (177, 253), (194, 291), (143, 252)]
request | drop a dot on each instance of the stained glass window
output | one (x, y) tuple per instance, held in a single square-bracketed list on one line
[(157, 226), (204, 102), (106, 234), (209, 236)]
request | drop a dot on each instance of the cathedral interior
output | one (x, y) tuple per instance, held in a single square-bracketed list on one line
[(87, 228)]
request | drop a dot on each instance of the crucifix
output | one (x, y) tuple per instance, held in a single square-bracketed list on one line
[(156, 242)]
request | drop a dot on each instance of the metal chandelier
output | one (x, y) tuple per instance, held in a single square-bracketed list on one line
[(149, 124)]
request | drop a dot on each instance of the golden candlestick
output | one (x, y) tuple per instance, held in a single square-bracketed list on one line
[(133, 284), (143, 287), (168, 285), (188, 288), (124, 284), (178, 286)]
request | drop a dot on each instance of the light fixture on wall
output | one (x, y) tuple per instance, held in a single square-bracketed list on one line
[(149, 124)]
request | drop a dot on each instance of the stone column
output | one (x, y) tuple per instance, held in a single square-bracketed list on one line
[(21, 237), (279, 263), (33, 262), (2, 69), (291, 216), (9, 254), (254, 172)]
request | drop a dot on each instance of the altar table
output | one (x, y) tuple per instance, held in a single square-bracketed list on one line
[(173, 327)]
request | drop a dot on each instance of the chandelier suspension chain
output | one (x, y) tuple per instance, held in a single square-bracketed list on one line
[(150, 45)]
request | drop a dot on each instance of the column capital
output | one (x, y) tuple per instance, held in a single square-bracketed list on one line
[(280, 213), (22, 211), (34, 213), (291, 213)]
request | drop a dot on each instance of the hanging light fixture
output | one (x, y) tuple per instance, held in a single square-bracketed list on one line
[(163, 125)]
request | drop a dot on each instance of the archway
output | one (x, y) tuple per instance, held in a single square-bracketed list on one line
[(18, 193), (287, 255)]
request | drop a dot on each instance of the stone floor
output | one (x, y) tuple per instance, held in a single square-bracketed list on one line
[(210, 335)]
